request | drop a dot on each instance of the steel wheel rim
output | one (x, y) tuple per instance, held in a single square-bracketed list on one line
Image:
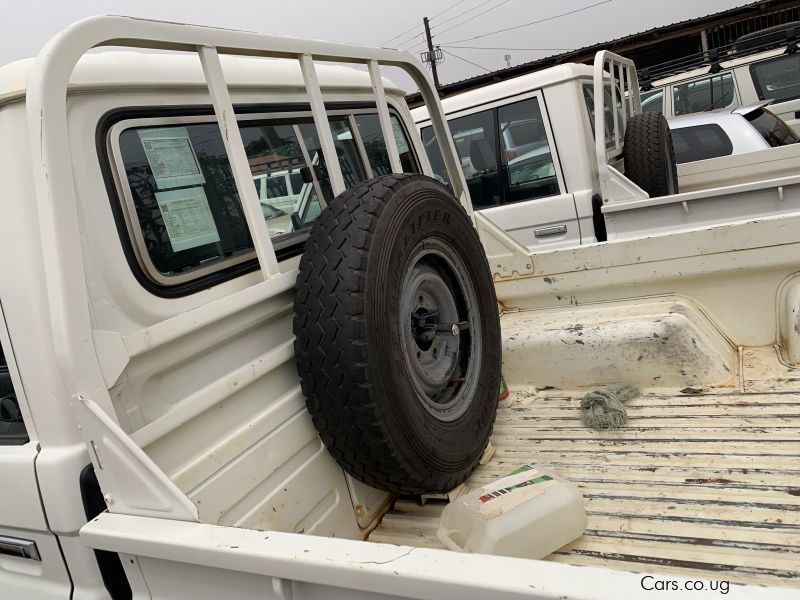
[(440, 329)]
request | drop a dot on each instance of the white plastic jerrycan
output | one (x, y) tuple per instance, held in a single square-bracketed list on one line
[(530, 513)]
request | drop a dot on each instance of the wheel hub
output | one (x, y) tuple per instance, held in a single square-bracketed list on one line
[(437, 335)]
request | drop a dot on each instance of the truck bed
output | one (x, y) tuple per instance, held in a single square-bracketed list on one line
[(704, 485)]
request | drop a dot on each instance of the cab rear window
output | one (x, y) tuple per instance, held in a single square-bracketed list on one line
[(184, 215)]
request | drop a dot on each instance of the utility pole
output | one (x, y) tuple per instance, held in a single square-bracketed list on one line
[(431, 53)]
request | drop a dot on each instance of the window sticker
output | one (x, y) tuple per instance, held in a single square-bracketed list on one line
[(187, 217), (171, 156), (400, 137)]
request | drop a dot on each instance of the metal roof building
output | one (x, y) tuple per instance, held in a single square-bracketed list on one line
[(655, 45)]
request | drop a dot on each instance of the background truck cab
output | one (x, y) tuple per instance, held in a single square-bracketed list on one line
[(536, 169), (526, 146)]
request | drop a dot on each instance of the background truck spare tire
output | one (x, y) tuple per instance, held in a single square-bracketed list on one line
[(398, 335), (649, 155)]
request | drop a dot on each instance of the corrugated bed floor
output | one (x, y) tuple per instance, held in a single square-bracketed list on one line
[(701, 485)]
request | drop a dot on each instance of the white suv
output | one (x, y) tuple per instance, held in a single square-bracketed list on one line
[(741, 81)]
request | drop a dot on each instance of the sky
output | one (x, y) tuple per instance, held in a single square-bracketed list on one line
[(463, 28)]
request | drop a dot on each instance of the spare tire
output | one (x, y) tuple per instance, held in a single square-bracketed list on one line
[(649, 155), (398, 335)]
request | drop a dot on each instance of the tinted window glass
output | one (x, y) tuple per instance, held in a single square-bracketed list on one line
[(275, 157), (710, 93), (588, 96), (527, 160), (774, 130), (371, 135), (276, 187), (12, 428), (653, 101), (476, 144), (700, 143), (188, 209), (184, 194), (777, 78), (296, 180), (352, 169), (434, 155)]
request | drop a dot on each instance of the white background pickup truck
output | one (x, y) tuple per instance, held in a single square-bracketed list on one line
[(162, 448), (529, 154)]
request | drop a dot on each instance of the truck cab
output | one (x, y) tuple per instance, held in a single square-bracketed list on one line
[(162, 431), (515, 147)]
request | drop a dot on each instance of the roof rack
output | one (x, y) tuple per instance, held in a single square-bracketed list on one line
[(751, 43)]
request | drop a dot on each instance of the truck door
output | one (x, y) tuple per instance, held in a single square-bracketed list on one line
[(31, 565), (512, 171), (536, 209)]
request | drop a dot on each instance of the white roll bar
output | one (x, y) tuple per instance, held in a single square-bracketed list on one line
[(53, 171), (620, 73)]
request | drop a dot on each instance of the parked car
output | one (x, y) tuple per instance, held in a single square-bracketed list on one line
[(737, 78), (701, 136), (704, 142)]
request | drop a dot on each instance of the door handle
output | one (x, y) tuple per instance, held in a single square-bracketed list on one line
[(553, 230), (19, 548)]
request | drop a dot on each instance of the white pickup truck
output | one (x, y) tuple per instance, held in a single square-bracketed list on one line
[(193, 409), (530, 156)]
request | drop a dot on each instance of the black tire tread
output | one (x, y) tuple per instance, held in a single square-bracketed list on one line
[(329, 315), (644, 152)]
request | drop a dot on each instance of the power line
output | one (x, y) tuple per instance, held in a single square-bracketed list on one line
[(571, 12), (410, 29), (413, 27), (480, 4), (474, 17), (415, 47), (466, 61), (411, 39), (505, 48), (448, 9)]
